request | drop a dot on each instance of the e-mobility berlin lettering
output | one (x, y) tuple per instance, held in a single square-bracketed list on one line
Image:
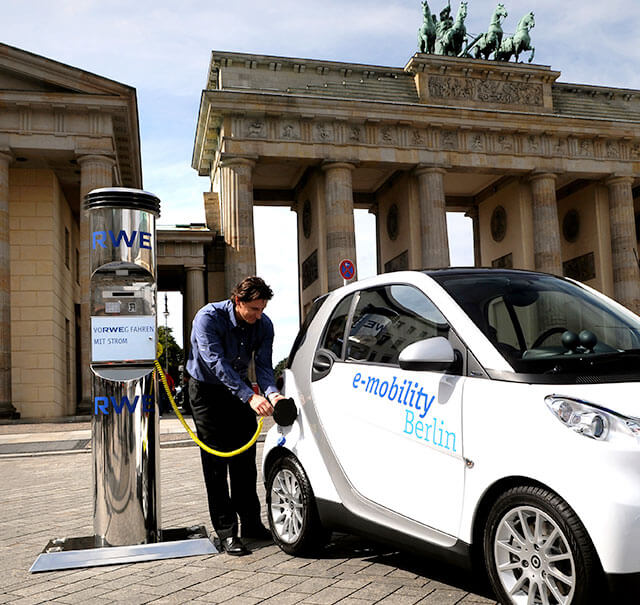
[(406, 393), (410, 394)]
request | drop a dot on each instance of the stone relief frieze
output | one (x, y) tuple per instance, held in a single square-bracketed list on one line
[(403, 135), (449, 139), (585, 148), (387, 135), (612, 149), (477, 142), (290, 130), (355, 134), (560, 147), (505, 143), (533, 144), (487, 91), (417, 138), (256, 129), (323, 132)]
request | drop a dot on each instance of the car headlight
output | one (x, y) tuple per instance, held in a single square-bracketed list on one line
[(592, 420)]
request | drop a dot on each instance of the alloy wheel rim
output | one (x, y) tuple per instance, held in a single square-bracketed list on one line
[(286, 506), (533, 559)]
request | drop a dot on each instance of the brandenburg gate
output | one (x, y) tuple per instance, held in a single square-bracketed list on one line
[(547, 171)]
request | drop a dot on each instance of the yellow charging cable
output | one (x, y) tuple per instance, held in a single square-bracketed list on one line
[(193, 436)]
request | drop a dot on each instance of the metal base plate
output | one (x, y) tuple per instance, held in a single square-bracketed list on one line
[(70, 553)]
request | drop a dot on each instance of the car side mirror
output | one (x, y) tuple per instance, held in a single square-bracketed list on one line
[(430, 354)]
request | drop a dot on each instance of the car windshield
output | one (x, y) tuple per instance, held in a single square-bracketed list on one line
[(541, 323)]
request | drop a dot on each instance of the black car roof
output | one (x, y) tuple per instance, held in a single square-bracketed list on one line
[(479, 271)]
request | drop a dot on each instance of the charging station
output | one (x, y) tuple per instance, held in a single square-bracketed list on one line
[(125, 422)]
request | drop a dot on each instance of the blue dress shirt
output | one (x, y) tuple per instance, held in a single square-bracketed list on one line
[(222, 346)]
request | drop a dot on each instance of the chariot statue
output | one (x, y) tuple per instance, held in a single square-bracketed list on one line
[(455, 36), (448, 36), (427, 31), (519, 42), (442, 27), (490, 41)]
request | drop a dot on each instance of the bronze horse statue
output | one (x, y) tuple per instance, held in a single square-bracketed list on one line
[(519, 42), (427, 31), (490, 41), (454, 37)]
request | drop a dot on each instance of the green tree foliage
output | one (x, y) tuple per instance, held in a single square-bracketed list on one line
[(277, 371), (171, 349)]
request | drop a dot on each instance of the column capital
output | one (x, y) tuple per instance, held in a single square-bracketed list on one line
[(6, 155), (538, 175), (195, 268), (421, 169), (619, 179), (227, 160), (334, 164), (86, 158)]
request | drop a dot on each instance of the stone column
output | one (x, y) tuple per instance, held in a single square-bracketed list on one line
[(375, 211), (474, 215), (433, 217), (546, 227), (626, 284), (236, 176), (96, 171), (194, 300), (341, 237), (6, 408)]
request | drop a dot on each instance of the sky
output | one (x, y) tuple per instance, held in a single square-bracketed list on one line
[(163, 50)]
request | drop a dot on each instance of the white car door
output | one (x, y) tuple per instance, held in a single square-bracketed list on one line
[(396, 434)]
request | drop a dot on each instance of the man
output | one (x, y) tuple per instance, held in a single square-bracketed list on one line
[(224, 338), (445, 24)]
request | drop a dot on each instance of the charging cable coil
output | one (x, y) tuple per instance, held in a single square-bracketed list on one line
[(193, 436)]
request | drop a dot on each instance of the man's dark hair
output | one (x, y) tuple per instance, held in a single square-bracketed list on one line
[(252, 288)]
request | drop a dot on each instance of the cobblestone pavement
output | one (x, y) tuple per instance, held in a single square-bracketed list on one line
[(48, 496)]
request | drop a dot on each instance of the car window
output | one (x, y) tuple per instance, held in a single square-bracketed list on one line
[(302, 333), (389, 318), (542, 324), (501, 326), (333, 338)]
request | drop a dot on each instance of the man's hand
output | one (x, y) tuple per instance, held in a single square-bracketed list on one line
[(275, 397), (260, 405)]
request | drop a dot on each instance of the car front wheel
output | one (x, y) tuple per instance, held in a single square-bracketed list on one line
[(537, 551), (292, 511)]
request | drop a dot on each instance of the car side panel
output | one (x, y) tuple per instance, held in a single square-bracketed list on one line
[(396, 435), (300, 440), (509, 432)]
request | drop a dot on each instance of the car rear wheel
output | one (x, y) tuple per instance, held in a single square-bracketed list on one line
[(537, 551), (292, 511)]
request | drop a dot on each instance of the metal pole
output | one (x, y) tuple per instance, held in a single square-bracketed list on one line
[(125, 429), (166, 335), (123, 348)]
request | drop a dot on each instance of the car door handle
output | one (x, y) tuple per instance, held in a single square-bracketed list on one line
[(322, 364)]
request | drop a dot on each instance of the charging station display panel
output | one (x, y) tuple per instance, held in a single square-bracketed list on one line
[(123, 338)]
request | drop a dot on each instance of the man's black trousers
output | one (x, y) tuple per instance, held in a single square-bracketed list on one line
[(226, 423)]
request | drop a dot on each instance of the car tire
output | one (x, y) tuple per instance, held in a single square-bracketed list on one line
[(534, 541), (292, 510)]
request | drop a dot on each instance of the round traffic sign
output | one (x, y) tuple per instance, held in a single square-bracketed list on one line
[(347, 269)]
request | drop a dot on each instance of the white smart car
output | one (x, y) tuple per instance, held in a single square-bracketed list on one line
[(478, 414)]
